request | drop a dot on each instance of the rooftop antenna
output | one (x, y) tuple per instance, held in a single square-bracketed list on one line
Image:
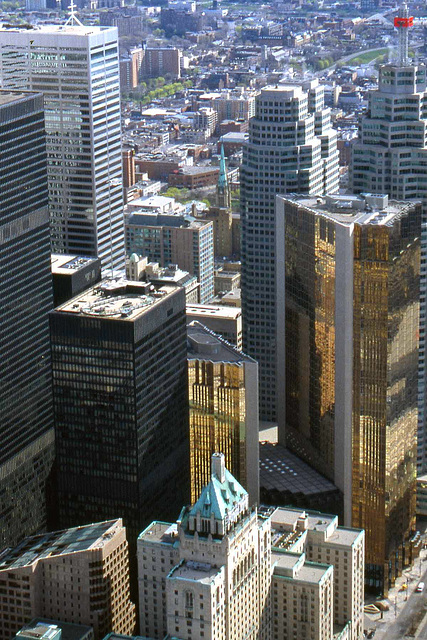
[(403, 21), (73, 20)]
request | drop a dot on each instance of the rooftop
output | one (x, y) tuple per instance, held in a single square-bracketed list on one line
[(163, 532), (69, 630), (153, 219), (6, 97), (58, 543), (117, 299), (199, 571), (309, 572), (367, 209), (63, 264), (71, 29), (283, 471), (203, 344), (200, 310)]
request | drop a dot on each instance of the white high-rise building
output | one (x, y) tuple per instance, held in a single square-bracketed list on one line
[(292, 148), (77, 70)]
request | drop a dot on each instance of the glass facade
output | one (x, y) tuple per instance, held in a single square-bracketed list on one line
[(120, 404), (217, 420), (385, 364), (380, 272), (77, 71), (26, 422)]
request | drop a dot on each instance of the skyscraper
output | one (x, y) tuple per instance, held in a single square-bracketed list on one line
[(292, 148), (223, 400), (348, 313), (390, 157), (76, 68), (120, 403), (26, 424)]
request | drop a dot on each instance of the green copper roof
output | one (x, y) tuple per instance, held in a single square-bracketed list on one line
[(219, 498), (222, 179)]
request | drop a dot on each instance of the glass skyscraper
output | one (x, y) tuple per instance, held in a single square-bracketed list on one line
[(348, 313), (292, 148), (26, 423), (77, 70), (120, 403), (223, 400), (390, 156)]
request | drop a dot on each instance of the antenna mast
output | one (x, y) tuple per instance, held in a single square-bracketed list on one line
[(403, 21), (73, 20)]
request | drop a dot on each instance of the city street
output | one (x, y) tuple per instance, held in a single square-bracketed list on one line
[(409, 606)]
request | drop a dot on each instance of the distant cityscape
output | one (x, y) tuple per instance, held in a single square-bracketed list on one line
[(213, 275)]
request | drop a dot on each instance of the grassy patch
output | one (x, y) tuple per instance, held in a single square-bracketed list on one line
[(365, 58)]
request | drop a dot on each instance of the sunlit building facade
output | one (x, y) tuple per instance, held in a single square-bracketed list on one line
[(390, 156), (77, 70), (223, 401), (348, 314)]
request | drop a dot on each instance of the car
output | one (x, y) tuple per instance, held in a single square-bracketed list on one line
[(371, 633), (420, 587)]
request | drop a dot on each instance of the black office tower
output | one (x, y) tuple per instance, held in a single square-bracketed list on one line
[(120, 404), (26, 424)]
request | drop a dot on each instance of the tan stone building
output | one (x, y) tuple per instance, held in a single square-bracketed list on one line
[(323, 542), (228, 572), (209, 572), (78, 575)]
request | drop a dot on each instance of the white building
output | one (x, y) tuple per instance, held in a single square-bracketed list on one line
[(209, 573), (77, 70), (292, 148), (227, 572)]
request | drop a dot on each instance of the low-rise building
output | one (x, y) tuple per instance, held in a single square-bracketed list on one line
[(174, 239)]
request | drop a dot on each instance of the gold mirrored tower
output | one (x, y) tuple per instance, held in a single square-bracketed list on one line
[(223, 399), (348, 312)]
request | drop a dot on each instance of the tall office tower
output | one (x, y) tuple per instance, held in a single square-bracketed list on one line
[(26, 421), (121, 403), (223, 399), (348, 312), (292, 148), (225, 572), (78, 575), (390, 157), (174, 239), (77, 70), (209, 574)]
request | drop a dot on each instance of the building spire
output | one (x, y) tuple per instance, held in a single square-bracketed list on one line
[(223, 190), (403, 21)]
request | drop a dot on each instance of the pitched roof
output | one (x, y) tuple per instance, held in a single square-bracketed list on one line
[(219, 498)]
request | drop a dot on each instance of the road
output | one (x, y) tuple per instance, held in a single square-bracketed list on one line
[(408, 611)]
